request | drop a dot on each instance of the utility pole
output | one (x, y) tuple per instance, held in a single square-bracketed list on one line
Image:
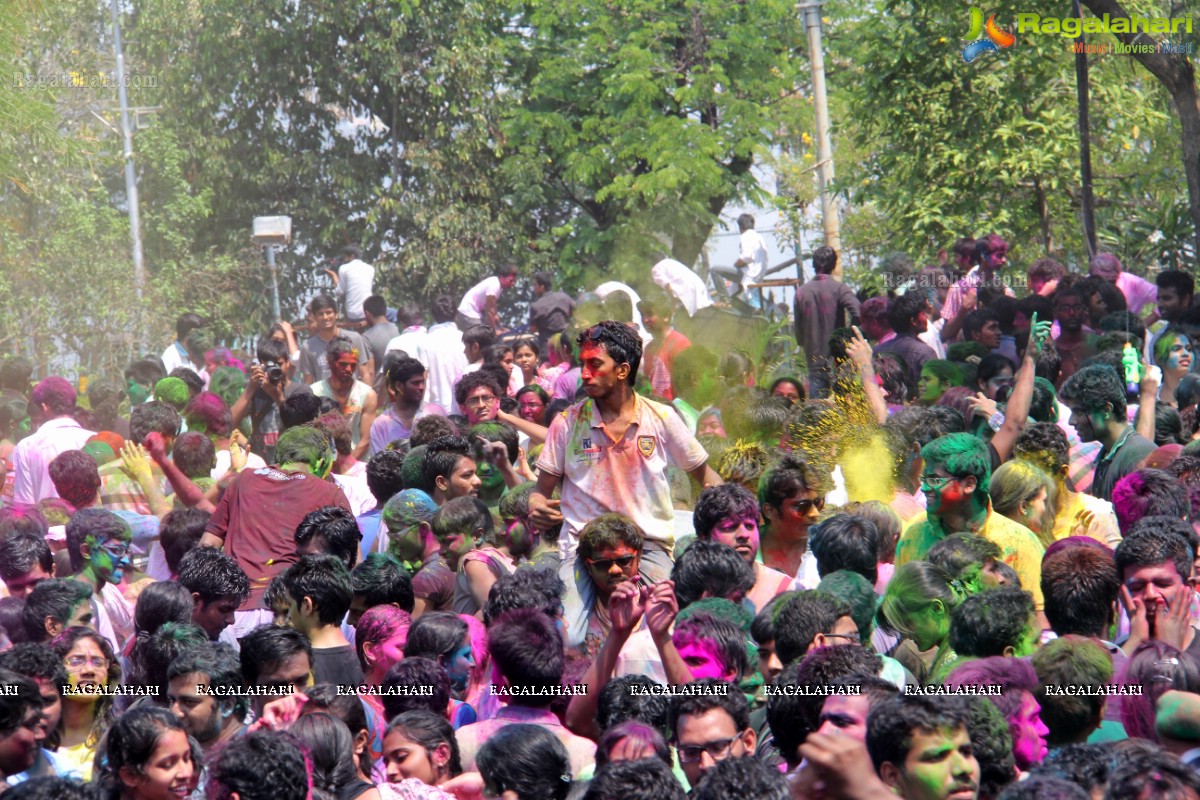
[(131, 192), (829, 217)]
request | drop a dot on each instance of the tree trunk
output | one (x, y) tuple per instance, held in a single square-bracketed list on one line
[(1177, 74)]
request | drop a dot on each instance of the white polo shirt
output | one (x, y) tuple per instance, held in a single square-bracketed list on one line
[(628, 476)]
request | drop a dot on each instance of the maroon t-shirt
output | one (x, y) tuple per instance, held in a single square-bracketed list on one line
[(258, 516)]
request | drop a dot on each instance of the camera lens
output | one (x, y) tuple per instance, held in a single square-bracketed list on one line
[(274, 374)]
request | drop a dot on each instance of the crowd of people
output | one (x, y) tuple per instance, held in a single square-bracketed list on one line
[(937, 546)]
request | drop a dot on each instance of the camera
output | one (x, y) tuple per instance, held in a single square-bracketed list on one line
[(274, 374)]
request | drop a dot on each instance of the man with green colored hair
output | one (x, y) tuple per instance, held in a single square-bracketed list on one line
[(256, 515), (958, 470), (98, 545)]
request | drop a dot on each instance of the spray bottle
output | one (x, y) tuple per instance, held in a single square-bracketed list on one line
[(1133, 368)]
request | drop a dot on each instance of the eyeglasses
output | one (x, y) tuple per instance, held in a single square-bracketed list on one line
[(116, 551), (935, 482), (853, 637), (718, 750), (804, 506), (606, 564), (75, 662), (482, 400)]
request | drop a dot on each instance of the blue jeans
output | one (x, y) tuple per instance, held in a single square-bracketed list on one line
[(580, 597)]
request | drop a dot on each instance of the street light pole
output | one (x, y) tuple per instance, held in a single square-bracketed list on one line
[(131, 191), (276, 314), (829, 217)]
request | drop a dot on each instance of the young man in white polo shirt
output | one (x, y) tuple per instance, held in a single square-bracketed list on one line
[(610, 453)]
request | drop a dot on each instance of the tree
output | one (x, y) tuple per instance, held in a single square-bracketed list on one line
[(642, 119), (1178, 76), (951, 148)]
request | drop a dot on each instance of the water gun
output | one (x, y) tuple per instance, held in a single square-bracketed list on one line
[(1133, 367)]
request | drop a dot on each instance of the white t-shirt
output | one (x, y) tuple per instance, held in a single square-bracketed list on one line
[(441, 351), (475, 300), (355, 281), (608, 287), (752, 248), (687, 287)]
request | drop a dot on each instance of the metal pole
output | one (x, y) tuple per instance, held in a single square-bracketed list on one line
[(131, 192), (1085, 139), (275, 312), (829, 218)]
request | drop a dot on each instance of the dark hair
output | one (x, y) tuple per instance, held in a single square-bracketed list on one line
[(384, 476), (609, 531), (146, 371), (266, 765), (179, 533), (268, 645), (526, 648), (976, 320), (337, 528), (415, 672), (903, 309), (643, 779), (716, 503), (325, 579), (1157, 540), (992, 743), (961, 550), (428, 730), (986, 623), (472, 381), (620, 342), (55, 598), (825, 666), (735, 778), (498, 431), (153, 417), (195, 383), (617, 703), (482, 335), (194, 454), (75, 477), (130, 742), (21, 551), (382, 580), (50, 787), (213, 574), (711, 567), (789, 712), (1087, 765), (824, 260), (710, 693), (798, 621), (153, 651), (846, 541), (461, 515), (525, 587), (527, 760), (785, 479), (220, 665), (1045, 444), (15, 372), (440, 458), (435, 635), (296, 411), (162, 602), (1080, 585), (723, 637), (96, 524), (1093, 387), (329, 746), (1150, 773), (891, 724)]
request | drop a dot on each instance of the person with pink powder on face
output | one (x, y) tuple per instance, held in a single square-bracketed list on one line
[(729, 514), (1017, 701)]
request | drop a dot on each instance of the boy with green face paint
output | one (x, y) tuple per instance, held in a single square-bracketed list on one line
[(407, 535), (958, 470), (98, 544)]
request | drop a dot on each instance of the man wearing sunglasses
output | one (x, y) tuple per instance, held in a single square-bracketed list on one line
[(709, 725), (955, 482)]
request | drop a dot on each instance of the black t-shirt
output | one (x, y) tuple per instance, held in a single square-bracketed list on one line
[(551, 312), (337, 665)]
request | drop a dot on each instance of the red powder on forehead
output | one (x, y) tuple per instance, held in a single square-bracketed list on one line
[(592, 350)]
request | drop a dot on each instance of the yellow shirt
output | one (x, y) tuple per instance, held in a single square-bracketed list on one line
[(1019, 546)]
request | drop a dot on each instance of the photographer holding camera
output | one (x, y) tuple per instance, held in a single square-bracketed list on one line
[(269, 386)]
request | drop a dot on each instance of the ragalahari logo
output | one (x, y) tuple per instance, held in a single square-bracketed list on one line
[(983, 38)]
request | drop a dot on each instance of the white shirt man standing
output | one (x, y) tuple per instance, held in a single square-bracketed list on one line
[(355, 281), (51, 405)]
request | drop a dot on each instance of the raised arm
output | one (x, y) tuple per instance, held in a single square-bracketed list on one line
[(1016, 413)]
